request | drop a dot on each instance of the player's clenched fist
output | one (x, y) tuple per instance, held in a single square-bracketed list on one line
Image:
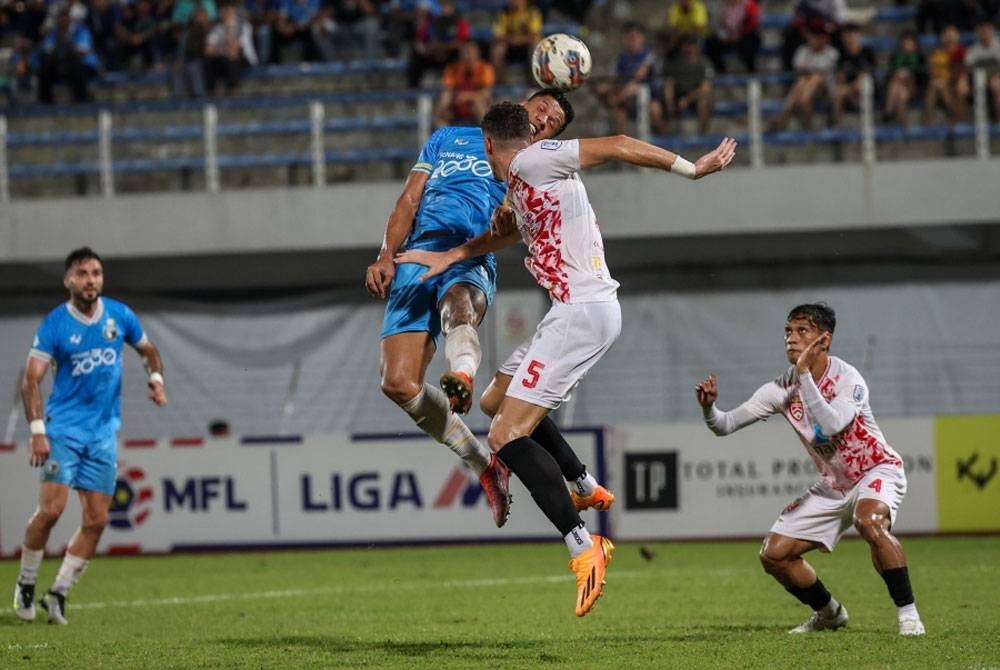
[(378, 277)]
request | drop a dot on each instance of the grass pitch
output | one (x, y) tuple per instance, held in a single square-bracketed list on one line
[(693, 605)]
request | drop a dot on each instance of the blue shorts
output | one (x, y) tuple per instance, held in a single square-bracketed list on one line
[(92, 467), (413, 304)]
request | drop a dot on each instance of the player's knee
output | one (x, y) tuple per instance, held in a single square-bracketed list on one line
[(48, 513), (870, 526), (399, 389), (94, 521)]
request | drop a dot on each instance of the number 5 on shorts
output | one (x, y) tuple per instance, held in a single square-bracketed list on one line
[(534, 371)]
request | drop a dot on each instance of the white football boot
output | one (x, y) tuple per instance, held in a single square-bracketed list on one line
[(816, 623)]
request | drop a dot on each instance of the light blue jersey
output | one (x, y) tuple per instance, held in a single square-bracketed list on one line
[(457, 204), (461, 192), (86, 354)]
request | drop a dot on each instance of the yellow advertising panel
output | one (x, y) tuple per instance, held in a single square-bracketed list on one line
[(968, 472)]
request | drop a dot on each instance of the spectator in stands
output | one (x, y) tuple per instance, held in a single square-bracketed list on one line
[(189, 67), (402, 19), (855, 60), (66, 55), (812, 16), (437, 42), (687, 83), (985, 54), (685, 18), (183, 9), (138, 35), (26, 19), (517, 30), (352, 29), (19, 68), (299, 27), (934, 15), (264, 15), (815, 63), (467, 89), (229, 50), (104, 21), (906, 75), (633, 68), (736, 28), (946, 72)]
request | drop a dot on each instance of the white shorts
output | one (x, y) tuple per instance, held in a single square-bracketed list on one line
[(823, 514), (570, 339)]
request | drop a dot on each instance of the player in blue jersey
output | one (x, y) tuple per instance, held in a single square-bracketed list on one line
[(74, 440), (449, 197)]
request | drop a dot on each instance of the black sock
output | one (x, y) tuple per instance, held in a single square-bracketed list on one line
[(898, 581), (539, 472), (816, 596), (547, 434)]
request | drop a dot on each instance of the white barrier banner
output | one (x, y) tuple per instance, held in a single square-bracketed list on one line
[(682, 481), (315, 490)]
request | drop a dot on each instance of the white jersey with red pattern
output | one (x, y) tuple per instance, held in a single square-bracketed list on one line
[(558, 223), (844, 458)]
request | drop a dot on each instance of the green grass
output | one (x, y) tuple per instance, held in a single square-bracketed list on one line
[(692, 606)]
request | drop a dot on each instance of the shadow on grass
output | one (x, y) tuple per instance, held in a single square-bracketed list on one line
[(408, 648)]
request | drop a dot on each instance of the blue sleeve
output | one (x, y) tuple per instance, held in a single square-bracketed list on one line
[(429, 154), (131, 328), (45, 340)]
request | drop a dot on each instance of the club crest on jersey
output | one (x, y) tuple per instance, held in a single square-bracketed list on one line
[(859, 393), (51, 467), (110, 331), (795, 408)]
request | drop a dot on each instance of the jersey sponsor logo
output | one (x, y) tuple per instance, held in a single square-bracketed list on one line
[(476, 166), (132, 500), (88, 361), (550, 145), (110, 331), (859, 393), (461, 142), (75, 338)]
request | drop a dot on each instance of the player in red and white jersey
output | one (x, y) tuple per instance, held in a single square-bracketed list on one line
[(549, 209), (863, 482)]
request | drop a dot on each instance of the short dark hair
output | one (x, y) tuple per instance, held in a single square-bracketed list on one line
[(819, 313), (81, 254), (561, 100), (507, 121)]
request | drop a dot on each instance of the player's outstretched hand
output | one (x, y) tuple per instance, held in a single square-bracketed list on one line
[(811, 352), (157, 393), (378, 277), (707, 392), (503, 222), (717, 159), (38, 450), (435, 261)]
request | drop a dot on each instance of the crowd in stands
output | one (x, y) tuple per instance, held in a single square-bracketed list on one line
[(206, 45), (823, 45)]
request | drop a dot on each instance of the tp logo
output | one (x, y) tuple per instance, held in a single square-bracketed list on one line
[(130, 504), (651, 480)]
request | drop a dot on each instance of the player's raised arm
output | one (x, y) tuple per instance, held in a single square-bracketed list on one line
[(31, 396), (625, 149), (439, 261), (379, 275)]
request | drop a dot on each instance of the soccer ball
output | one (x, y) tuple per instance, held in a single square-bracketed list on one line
[(561, 61)]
